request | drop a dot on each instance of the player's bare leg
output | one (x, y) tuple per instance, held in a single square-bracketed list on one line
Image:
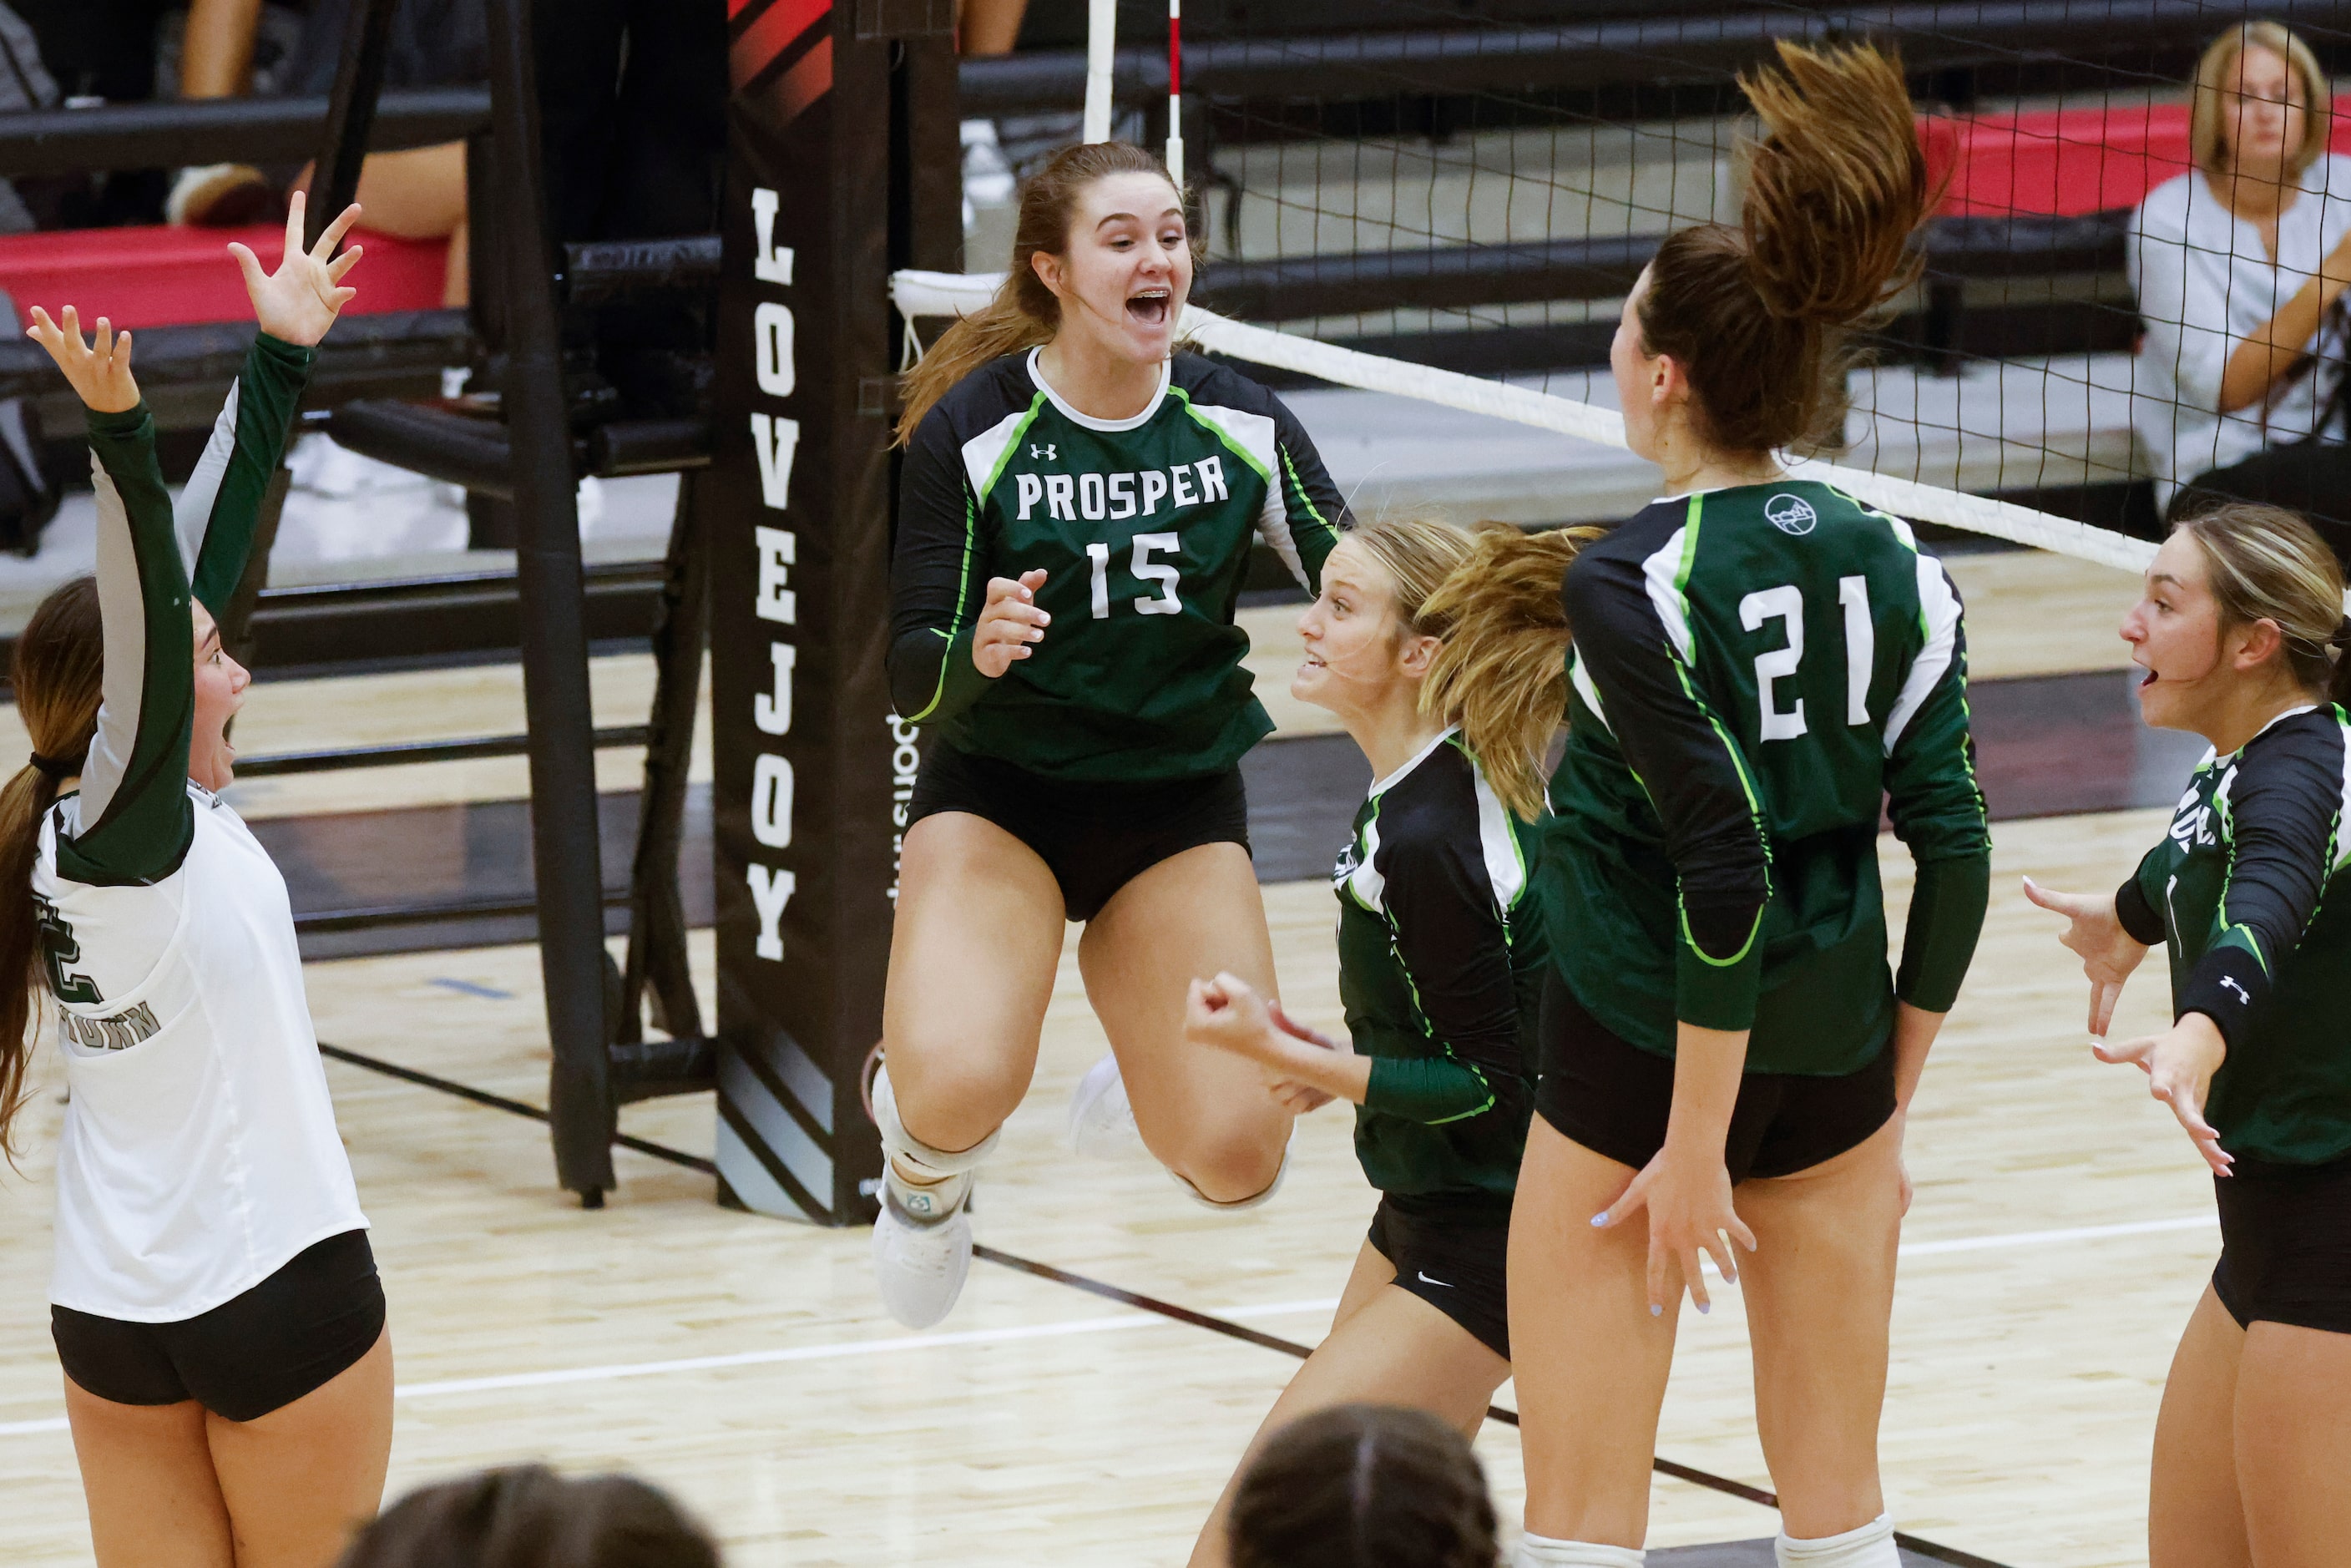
[(1204, 1114)]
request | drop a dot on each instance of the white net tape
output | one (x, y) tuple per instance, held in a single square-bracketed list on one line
[(947, 294)]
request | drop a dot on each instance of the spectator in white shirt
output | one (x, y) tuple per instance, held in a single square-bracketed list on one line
[(2240, 267)]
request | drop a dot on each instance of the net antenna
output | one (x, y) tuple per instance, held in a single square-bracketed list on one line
[(1175, 92), (1101, 48)]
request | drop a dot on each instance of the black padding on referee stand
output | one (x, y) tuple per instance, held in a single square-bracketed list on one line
[(1745, 1554), (811, 764)]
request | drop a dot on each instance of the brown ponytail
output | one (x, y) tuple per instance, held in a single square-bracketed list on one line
[(1024, 313), (1502, 672), (1758, 316), (58, 672), (2265, 563)]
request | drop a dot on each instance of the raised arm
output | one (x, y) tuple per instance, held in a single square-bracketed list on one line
[(219, 511)]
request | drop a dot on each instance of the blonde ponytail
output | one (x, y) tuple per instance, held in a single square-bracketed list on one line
[(1501, 674)]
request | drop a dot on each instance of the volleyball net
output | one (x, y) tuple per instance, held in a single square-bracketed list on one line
[(1396, 198)]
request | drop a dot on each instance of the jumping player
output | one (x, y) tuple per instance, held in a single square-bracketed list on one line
[(2240, 633), (1760, 664), (1077, 509), (228, 1375), (1440, 966)]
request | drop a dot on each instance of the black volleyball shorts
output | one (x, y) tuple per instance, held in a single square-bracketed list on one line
[(1095, 837), (1454, 1260), (289, 1335), (2285, 1245), (1614, 1098)]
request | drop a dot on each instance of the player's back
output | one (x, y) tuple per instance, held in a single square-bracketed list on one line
[(1807, 636)]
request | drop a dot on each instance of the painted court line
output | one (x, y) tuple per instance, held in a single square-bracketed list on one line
[(849, 1348)]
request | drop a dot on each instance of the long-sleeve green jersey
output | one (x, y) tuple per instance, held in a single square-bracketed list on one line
[(2248, 893), (1143, 528), (1440, 966), (132, 819), (1756, 672)]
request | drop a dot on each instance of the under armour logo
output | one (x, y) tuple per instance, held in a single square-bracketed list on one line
[(2243, 995), (1045, 455)]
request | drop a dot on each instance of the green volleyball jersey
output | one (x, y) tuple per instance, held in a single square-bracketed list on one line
[(2249, 890), (1143, 527), (1756, 672), (1441, 968)]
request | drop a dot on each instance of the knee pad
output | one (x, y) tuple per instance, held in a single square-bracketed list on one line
[(1543, 1551), (925, 1161), (1239, 1203), (1871, 1546)]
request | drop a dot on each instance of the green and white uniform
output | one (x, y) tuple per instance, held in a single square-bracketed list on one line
[(199, 1152), (1757, 673), (1145, 527)]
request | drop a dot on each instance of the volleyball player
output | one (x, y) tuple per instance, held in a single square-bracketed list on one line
[(215, 1305), (1077, 509), (1758, 665), (2240, 633), (1440, 968)]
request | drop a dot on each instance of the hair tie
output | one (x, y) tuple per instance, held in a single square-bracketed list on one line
[(57, 768)]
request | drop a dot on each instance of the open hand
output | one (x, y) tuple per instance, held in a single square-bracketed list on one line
[(1687, 1193), (2095, 935), (2179, 1063), (298, 302), (1009, 623), (100, 371)]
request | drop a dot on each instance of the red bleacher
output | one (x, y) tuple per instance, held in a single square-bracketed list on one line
[(163, 276), (2069, 160)]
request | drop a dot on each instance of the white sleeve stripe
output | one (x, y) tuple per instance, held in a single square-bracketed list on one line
[(191, 516), (1590, 694), (1940, 607), (122, 617), (1662, 572), (1499, 845)]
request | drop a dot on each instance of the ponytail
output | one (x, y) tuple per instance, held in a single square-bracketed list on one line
[(59, 672), (1024, 313), (1759, 316), (1501, 674)]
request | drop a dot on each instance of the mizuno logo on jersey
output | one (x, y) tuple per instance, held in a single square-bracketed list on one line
[(1096, 497), (1791, 514), (121, 1032)]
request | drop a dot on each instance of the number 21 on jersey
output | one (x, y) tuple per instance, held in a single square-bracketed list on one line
[(1785, 604), (1145, 569)]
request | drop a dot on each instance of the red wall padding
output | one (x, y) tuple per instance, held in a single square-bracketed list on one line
[(2069, 160), (166, 275)]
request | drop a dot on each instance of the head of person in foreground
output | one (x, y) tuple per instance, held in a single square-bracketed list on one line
[(527, 1516), (2241, 618), (1735, 339), (1102, 263), (1365, 1486)]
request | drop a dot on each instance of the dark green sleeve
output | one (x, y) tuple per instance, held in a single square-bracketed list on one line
[(1936, 807), (136, 819), (222, 502), (1430, 1089)]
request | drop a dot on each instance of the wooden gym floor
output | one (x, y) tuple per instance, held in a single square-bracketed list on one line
[(2061, 1234)]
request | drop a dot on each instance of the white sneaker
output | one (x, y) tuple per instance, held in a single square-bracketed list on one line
[(922, 1249), (1102, 1120)]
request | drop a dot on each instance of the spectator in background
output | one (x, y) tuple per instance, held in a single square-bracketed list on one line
[(529, 1517), (417, 193), (2240, 267), (1363, 1486)]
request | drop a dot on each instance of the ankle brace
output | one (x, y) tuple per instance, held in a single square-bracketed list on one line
[(1543, 1552), (1871, 1546), (917, 1159)]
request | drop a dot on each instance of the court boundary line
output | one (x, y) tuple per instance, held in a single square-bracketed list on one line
[(1934, 1551)]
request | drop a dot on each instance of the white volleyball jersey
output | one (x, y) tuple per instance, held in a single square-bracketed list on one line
[(200, 1152)]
